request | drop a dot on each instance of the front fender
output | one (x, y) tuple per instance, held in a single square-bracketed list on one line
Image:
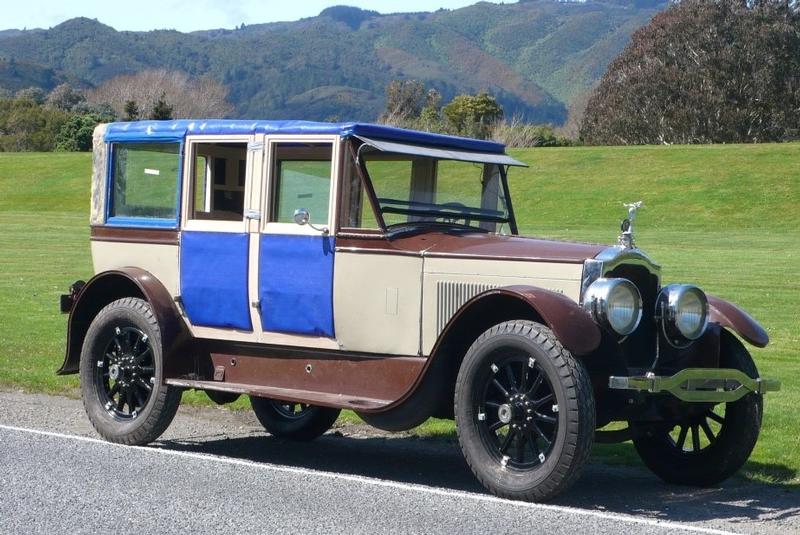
[(109, 286), (573, 326), (728, 315)]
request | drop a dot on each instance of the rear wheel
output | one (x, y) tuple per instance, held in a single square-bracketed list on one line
[(709, 447), (524, 412), (293, 421), (121, 373)]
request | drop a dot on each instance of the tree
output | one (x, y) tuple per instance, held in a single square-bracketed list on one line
[(76, 133), (131, 110), (161, 110), (34, 94), (188, 97), (430, 118), (703, 71), (404, 101), (28, 126), (65, 97), (473, 115)]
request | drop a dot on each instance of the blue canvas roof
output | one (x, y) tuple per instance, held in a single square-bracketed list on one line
[(178, 129)]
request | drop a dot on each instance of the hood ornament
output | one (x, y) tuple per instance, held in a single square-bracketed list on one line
[(625, 239)]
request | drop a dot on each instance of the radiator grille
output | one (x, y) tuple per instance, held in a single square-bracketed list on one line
[(450, 296)]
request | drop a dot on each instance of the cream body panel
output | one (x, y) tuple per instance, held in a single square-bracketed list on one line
[(158, 259), (477, 276), (377, 303)]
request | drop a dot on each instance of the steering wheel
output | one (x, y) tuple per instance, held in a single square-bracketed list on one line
[(456, 205)]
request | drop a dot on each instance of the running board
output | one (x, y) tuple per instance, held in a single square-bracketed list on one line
[(322, 399)]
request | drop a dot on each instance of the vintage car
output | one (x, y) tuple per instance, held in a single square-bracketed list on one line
[(316, 267)]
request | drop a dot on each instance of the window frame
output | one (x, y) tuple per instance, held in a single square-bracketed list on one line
[(144, 222), (212, 225), (271, 144)]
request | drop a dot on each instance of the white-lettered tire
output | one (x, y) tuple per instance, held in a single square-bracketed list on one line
[(293, 421), (121, 372), (711, 446), (524, 410)]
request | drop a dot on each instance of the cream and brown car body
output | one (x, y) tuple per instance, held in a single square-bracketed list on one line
[(353, 266), (397, 303)]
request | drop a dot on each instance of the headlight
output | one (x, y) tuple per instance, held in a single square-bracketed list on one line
[(684, 312), (614, 303)]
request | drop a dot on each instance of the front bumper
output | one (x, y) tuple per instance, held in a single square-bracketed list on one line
[(698, 385)]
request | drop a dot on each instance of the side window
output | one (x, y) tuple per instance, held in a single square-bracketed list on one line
[(218, 175), (301, 179), (144, 182)]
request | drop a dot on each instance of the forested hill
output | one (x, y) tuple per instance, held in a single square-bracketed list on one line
[(534, 56)]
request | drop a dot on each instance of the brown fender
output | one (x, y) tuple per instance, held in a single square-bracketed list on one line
[(109, 286), (573, 326), (728, 315)]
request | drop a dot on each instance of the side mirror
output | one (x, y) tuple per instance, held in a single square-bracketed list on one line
[(301, 216)]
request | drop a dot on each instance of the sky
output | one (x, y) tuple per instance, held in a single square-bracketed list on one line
[(190, 15)]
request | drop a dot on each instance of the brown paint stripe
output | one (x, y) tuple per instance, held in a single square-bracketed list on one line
[(135, 235)]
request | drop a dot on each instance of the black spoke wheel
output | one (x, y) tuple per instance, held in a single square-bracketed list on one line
[(293, 421), (713, 443), (518, 415), (121, 374), (125, 374), (524, 411)]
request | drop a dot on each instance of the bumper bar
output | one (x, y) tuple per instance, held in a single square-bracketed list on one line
[(698, 384)]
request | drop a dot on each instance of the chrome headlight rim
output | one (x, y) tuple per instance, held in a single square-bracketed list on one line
[(598, 299), (671, 299)]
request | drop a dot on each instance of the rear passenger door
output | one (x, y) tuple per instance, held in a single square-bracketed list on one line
[(215, 242), (295, 262)]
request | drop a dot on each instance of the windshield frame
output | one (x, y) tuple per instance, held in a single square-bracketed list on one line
[(390, 230)]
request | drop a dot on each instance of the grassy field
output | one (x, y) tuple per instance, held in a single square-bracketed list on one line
[(724, 217)]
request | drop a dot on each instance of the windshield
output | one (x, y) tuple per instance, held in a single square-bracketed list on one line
[(418, 190)]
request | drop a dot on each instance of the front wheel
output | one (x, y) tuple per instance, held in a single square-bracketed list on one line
[(121, 371), (707, 448), (293, 421), (524, 411)]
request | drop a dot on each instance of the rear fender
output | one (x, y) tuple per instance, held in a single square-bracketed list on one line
[(109, 286), (730, 316)]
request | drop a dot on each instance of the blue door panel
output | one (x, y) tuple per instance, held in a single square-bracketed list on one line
[(214, 279), (295, 284)]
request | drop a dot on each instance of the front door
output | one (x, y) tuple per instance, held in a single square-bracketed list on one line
[(295, 262)]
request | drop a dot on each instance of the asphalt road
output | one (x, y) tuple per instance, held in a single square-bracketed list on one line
[(218, 472)]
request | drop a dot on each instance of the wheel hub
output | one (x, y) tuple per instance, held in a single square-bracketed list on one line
[(517, 411), (505, 413), (114, 371)]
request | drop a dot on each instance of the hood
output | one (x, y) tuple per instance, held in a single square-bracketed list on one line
[(493, 246)]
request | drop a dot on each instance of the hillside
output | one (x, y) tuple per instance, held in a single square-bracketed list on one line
[(533, 55)]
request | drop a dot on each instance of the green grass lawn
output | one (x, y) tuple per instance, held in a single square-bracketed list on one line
[(725, 217)]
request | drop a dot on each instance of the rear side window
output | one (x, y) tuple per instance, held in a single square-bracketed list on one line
[(144, 184)]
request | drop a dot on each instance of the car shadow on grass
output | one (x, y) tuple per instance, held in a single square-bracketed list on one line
[(439, 463)]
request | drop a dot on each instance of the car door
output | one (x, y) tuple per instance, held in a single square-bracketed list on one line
[(295, 262), (215, 243)]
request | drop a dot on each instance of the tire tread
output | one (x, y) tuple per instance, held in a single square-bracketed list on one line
[(581, 407)]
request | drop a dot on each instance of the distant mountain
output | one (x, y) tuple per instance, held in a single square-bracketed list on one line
[(534, 56)]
